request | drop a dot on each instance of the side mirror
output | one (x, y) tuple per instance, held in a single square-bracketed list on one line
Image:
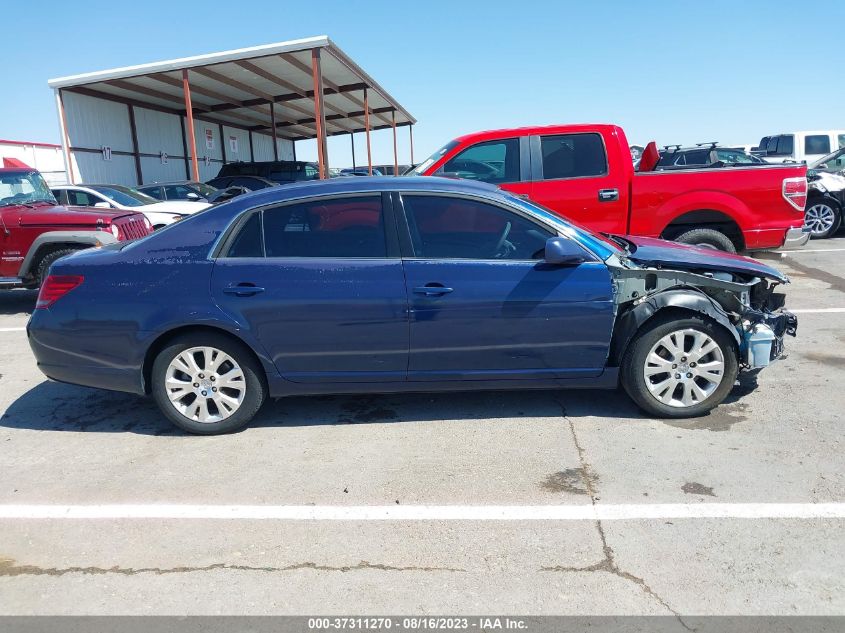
[(192, 196), (562, 252), (102, 205)]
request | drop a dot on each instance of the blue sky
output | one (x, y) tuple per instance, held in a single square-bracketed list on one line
[(676, 72)]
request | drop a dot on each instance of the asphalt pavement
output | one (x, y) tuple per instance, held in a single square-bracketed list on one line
[(505, 501)]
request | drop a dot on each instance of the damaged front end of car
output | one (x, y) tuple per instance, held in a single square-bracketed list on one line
[(744, 302)]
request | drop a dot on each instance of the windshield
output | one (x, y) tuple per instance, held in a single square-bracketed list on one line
[(597, 243), (834, 160), (24, 188), (428, 162), (125, 196)]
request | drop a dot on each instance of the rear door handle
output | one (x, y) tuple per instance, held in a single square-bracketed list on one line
[(608, 195), (244, 289), (432, 290)]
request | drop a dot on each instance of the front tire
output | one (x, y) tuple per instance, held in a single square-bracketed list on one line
[(207, 383), (680, 368), (48, 260), (707, 238), (823, 219)]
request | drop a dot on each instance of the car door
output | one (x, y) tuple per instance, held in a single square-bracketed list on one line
[(483, 304), (571, 175), (323, 291)]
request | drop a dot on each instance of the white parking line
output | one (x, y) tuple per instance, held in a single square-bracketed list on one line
[(586, 512), (12, 329), (813, 250), (818, 310)]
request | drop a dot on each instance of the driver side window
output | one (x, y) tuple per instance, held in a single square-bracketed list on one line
[(460, 228), (494, 161)]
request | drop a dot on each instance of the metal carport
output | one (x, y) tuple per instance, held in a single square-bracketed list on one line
[(138, 124)]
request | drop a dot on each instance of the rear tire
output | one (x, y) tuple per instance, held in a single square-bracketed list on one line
[(707, 238), (207, 383), (48, 260), (693, 383)]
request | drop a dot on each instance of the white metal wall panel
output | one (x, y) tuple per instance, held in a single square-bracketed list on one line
[(153, 170), (48, 160), (158, 132), (200, 131), (89, 167), (207, 172), (94, 123), (241, 141), (262, 145), (285, 148)]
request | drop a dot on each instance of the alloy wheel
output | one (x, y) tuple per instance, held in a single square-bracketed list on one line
[(684, 368), (819, 219), (205, 384)]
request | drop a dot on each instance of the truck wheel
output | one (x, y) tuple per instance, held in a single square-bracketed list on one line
[(48, 260), (208, 384), (680, 368), (823, 219), (708, 238)]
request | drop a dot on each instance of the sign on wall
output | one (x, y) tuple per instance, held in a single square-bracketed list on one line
[(233, 144), (209, 138), (106, 152), (163, 157)]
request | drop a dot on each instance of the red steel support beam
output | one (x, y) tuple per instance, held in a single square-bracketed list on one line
[(273, 125), (319, 114), (395, 153), (367, 128), (189, 110)]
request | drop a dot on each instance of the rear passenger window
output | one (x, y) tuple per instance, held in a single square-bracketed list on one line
[(573, 156), (248, 241), (339, 227), (493, 161), (817, 144)]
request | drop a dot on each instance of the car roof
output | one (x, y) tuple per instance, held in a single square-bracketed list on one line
[(366, 184), (169, 182)]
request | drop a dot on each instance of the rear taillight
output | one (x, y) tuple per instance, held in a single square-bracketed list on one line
[(795, 192), (55, 287)]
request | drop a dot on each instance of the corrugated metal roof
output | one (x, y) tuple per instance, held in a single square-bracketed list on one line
[(237, 87)]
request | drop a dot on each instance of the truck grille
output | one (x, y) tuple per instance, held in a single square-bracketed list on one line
[(132, 227)]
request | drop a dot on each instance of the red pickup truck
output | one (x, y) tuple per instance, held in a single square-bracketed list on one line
[(585, 173), (35, 230)]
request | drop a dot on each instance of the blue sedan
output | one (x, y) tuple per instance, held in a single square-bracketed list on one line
[(364, 285)]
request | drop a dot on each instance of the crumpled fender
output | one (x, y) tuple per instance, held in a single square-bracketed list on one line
[(630, 321)]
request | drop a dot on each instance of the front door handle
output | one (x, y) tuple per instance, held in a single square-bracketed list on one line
[(608, 195), (243, 289), (432, 290)]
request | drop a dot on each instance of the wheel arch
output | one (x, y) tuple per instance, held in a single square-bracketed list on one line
[(58, 240), (683, 301), (163, 339), (705, 219)]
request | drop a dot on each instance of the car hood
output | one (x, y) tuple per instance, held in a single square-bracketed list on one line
[(665, 254), (48, 214), (175, 206)]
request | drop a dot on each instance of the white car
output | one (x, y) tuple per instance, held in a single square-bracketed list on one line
[(794, 147), (127, 199)]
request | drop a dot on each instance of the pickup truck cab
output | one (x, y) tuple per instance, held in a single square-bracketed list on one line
[(795, 147), (35, 230), (585, 173)]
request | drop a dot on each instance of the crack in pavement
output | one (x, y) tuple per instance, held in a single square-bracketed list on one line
[(608, 563), (9, 568)]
